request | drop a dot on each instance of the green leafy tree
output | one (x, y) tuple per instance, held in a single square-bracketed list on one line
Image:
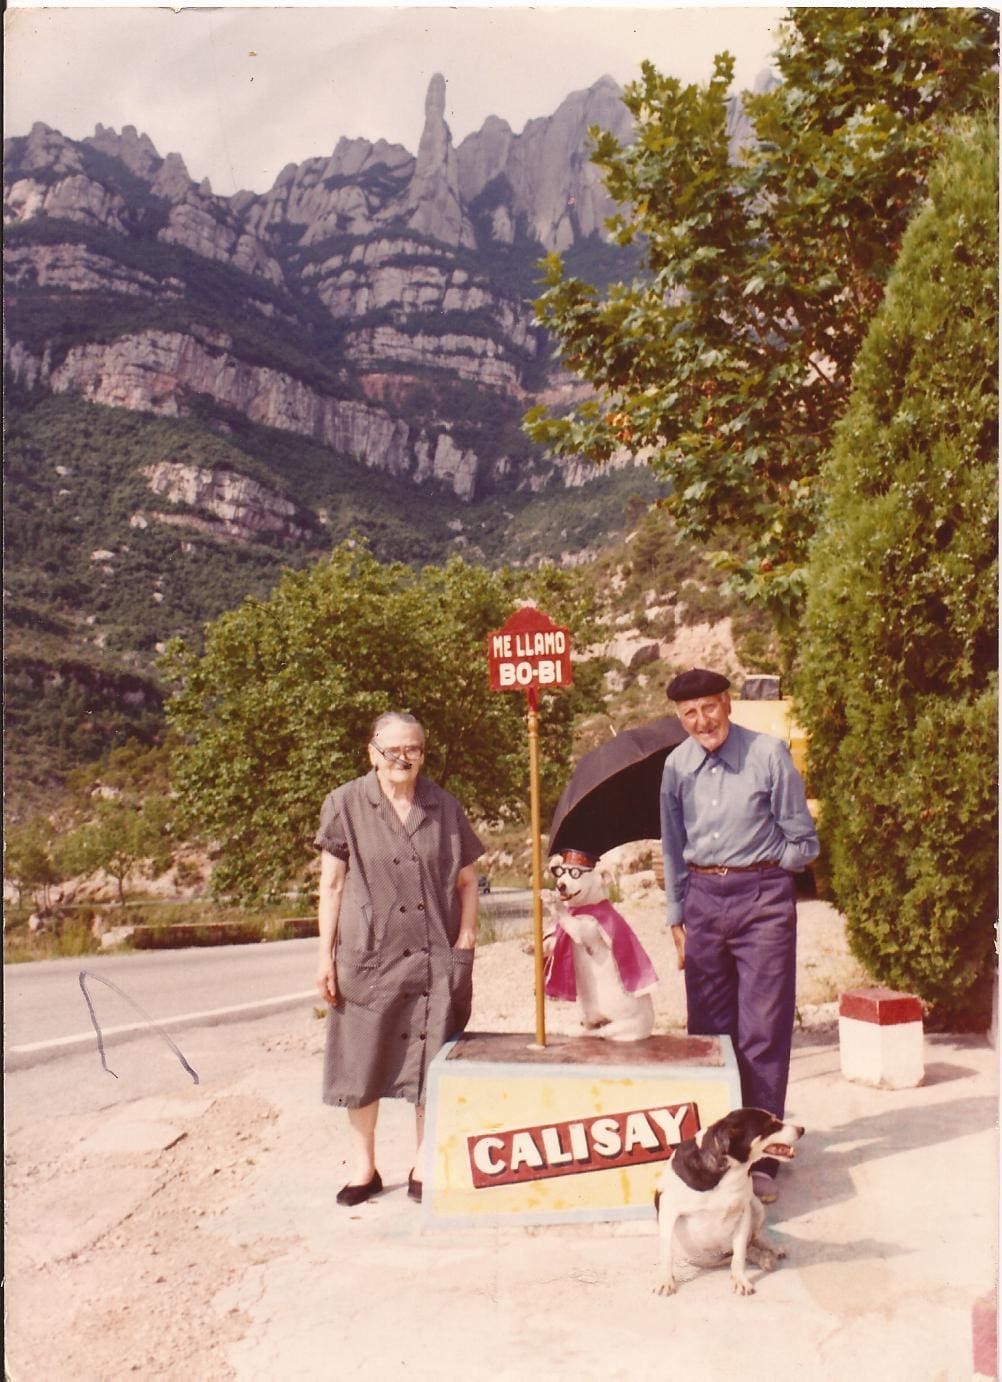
[(898, 685), (277, 710), (728, 361), (29, 861), (121, 835)]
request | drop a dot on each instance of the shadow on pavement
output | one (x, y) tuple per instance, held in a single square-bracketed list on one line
[(811, 1252), (827, 1157)]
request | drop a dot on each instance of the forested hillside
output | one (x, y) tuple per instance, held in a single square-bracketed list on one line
[(204, 391)]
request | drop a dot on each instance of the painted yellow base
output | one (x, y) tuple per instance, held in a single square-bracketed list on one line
[(579, 1130)]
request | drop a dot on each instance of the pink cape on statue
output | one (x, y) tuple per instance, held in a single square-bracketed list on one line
[(635, 969)]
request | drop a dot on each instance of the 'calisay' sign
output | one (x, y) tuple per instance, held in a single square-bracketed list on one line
[(529, 651), (578, 1145)]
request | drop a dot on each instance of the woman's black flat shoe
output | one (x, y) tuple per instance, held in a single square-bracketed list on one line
[(351, 1195), (414, 1187)]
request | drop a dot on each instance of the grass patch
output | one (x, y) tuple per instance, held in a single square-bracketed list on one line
[(73, 931)]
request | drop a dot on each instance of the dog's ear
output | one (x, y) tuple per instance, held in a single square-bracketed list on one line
[(714, 1148)]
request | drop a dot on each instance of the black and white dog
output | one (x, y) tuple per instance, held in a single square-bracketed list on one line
[(707, 1210)]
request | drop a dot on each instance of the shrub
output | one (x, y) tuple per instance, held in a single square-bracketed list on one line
[(898, 684)]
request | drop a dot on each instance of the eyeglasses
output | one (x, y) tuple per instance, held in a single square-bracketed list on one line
[(411, 752), (559, 870)]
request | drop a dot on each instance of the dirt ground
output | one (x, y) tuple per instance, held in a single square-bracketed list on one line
[(141, 1209)]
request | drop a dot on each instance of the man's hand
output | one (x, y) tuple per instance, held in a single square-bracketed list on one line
[(326, 982), (678, 936)]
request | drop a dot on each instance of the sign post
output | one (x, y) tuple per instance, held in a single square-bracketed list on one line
[(528, 653), (532, 708)]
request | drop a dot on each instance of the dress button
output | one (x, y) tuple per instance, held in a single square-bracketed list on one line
[(420, 906), (422, 1035), (403, 909), (424, 993), (396, 861), (406, 954)]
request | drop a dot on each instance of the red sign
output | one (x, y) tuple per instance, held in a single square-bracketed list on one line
[(529, 651), (583, 1144)]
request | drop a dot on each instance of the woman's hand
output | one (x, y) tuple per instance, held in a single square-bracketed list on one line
[(466, 940), (326, 981)]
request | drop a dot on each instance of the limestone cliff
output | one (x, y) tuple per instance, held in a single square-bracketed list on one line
[(373, 301), (551, 187), (238, 507), (158, 372)]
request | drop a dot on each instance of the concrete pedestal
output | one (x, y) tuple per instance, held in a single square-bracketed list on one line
[(881, 1038), (577, 1130)]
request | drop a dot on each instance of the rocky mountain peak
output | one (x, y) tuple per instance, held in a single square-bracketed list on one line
[(45, 149), (135, 150), (172, 181), (432, 203)]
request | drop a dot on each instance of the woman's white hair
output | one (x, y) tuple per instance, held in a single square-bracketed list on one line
[(401, 716)]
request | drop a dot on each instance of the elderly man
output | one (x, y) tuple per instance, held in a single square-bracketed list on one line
[(734, 829)]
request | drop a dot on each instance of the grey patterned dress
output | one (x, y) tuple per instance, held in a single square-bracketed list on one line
[(402, 989)]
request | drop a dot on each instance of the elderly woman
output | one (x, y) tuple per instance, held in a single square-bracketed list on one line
[(398, 921)]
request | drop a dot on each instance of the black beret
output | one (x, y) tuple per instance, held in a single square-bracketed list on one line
[(687, 686)]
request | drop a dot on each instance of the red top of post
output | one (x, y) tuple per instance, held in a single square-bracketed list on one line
[(529, 653)]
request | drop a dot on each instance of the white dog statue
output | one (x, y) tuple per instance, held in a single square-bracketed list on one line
[(594, 956)]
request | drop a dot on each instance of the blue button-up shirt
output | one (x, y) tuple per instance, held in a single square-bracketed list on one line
[(742, 804)]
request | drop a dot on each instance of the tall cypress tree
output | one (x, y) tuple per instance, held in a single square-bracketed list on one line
[(898, 680)]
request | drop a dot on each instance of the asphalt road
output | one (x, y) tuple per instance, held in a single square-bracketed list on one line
[(43, 1001)]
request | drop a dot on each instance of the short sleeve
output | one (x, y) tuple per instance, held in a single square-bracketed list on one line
[(331, 836), (470, 847)]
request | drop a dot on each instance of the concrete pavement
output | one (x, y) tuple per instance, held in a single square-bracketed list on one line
[(195, 1234), (191, 1231), (889, 1218)]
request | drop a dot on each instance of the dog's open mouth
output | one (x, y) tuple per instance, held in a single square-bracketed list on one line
[(779, 1149)]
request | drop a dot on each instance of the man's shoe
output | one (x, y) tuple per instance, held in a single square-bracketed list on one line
[(352, 1195), (414, 1187), (765, 1187)]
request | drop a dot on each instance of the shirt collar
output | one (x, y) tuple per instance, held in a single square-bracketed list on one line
[(425, 796), (729, 753)]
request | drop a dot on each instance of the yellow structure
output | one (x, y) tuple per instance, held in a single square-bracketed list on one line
[(776, 718), (578, 1130)]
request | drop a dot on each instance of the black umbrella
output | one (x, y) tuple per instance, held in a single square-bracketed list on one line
[(613, 794)]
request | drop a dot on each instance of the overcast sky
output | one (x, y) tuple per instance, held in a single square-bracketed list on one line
[(239, 93)]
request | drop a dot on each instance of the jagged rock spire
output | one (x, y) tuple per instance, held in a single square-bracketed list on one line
[(432, 202)]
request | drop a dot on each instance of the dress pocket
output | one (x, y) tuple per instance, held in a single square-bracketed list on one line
[(357, 975), (461, 986)]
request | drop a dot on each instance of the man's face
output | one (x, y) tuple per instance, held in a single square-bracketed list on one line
[(707, 719)]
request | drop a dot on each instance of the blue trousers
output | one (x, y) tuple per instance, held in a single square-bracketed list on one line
[(741, 974)]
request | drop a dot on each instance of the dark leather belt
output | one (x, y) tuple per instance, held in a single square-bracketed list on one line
[(721, 869)]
